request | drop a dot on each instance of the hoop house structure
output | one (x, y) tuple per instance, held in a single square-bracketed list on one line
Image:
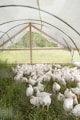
[(58, 21)]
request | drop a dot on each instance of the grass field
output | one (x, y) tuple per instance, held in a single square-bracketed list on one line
[(14, 105), (38, 56)]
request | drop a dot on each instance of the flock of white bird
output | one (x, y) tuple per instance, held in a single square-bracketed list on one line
[(36, 75)]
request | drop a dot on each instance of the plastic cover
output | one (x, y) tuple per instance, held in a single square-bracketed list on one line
[(59, 18)]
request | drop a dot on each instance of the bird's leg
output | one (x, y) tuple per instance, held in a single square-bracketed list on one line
[(43, 106), (47, 108)]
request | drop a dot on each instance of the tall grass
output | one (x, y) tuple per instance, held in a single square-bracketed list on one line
[(14, 105)]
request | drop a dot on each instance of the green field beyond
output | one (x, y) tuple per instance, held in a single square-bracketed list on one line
[(38, 56)]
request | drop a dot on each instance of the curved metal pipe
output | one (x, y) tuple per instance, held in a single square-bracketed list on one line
[(32, 23), (5, 33), (63, 38), (26, 23), (39, 24), (2, 6), (12, 28), (47, 24), (67, 45), (23, 24)]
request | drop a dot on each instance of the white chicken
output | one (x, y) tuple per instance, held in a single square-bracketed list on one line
[(16, 68), (57, 65), (45, 101), (32, 81), (76, 111), (76, 91), (47, 77), (67, 75), (40, 79), (19, 75), (68, 93), (77, 77), (68, 104), (62, 81), (33, 75), (34, 101), (29, 90), (60, 96), (42, 94), (39, 87), (24, 79), (75, 63), (78, 84), (56, 87)]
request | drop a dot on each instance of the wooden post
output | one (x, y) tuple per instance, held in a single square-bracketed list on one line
[(30, 30)]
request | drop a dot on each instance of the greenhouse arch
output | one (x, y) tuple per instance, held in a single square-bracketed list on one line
[(65, 32)]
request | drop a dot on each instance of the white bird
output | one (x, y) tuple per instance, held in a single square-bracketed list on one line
[(24, 79), (32, 81), (56, 87), (68, 104), (63, 81), (29, 90), (78, 84), (76, 91), (39, 87), (67, 75), (75, 63), (40, 79), (47, 77), (42, 94), (33, 75), (60, 96), (34, 101), (76, 110), (45, 101), (75, 100), (68, 93), (16, 68), (18, 77), (27, 71), (57, 65), (77, 77)]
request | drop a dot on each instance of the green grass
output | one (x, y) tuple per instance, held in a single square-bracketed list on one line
[(38, 56), (14, 105), (37, 41), (15, 56)]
